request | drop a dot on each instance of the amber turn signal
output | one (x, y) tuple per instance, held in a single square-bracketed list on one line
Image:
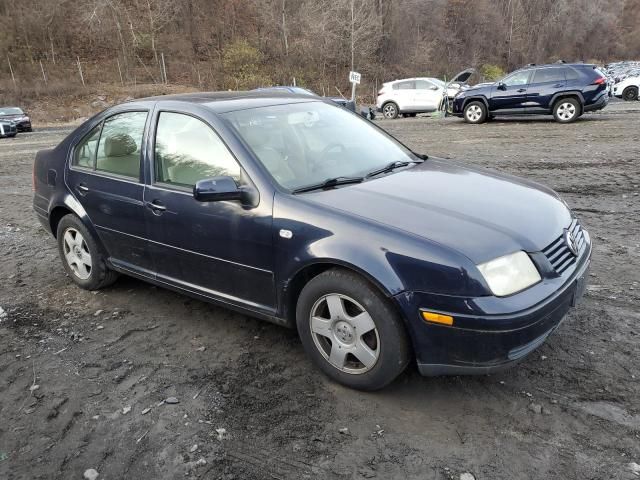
[(437, 318)]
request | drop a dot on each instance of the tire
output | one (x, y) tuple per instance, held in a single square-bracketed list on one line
[(475, 112), (331, 309), (630, 94), (390, 110), (81, 256), (567, 110)]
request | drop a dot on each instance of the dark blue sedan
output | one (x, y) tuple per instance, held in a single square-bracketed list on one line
[(302, 213)]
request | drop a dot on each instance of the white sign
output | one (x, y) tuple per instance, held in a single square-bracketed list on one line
[(354, 77)]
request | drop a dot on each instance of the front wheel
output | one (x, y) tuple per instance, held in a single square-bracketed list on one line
[(566, 110), (390, 110), (475, 112), (350, 331), (630, 94)]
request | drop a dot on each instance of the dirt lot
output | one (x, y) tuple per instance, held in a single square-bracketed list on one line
[(78, 370)]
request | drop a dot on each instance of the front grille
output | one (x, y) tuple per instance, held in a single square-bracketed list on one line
[(558, 253)]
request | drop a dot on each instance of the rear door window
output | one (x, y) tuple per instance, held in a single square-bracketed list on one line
[(545, 75), (120, 143), (409, 85)]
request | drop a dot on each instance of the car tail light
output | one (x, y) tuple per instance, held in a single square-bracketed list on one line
[(599, 81)]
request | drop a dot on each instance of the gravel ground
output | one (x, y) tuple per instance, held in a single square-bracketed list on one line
[(84, 375)]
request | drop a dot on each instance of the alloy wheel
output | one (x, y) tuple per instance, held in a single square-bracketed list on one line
[(390, 110), (76, 253), (344, 333), (474, 112), (566, 111)]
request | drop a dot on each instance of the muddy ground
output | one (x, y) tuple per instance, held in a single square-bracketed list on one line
[(100, 360)]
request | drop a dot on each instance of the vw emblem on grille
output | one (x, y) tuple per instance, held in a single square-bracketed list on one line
[(570, 241)]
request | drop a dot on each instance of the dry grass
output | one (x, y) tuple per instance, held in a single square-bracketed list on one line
[(60, 102)]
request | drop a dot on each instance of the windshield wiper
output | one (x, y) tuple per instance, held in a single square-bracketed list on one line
[(329, 183), (391, 167)]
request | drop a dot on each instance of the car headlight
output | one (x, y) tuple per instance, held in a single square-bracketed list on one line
[(510, 274)]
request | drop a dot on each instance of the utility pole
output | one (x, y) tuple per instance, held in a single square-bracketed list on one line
[(80, 70), (11, 70)]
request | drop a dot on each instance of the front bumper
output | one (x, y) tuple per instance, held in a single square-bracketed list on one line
[(482, 344)]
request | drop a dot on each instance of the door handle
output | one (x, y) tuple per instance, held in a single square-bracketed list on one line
[(82, 188), (156, 207), (521, 90)]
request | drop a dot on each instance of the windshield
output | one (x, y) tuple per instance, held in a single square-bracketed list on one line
[(10, 111), (303, 144)]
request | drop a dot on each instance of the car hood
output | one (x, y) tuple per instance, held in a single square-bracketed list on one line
[(481, 214), (463, 76), (478, 88)]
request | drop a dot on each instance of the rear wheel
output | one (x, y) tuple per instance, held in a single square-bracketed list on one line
[(475, 112), (390, 110), (630, 94), (350, 331), (566, 110), (81, 256)]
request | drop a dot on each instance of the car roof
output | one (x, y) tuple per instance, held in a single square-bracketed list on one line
[(558, 64), (221, 102), (412, 78)]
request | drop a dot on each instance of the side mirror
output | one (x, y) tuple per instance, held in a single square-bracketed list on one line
[(502, 86), (217, 189), (433, 87)]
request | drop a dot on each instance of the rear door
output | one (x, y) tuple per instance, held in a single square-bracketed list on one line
[(427, 96), (105, 177), (510, 94), (220, 249), (403, 94), (545, 82)]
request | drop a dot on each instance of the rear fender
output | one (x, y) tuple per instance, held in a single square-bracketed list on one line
[(571, 93)]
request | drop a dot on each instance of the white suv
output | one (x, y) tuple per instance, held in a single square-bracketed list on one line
[(628, 88), (410, 96)]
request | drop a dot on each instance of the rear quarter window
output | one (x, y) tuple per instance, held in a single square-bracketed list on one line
[(84, 154)]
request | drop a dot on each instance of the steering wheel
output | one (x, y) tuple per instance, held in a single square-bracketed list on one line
[(320, 161)]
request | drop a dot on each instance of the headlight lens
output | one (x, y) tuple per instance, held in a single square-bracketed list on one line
[(510, 274)]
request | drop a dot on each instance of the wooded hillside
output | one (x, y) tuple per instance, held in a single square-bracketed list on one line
[(237, 44)]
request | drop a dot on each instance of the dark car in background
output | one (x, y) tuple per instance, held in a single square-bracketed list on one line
[(8, 129), (16, 115), (343, 102), (563, 90), (296, 211)]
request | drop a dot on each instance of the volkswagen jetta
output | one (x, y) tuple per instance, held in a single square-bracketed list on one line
[(300, 212)]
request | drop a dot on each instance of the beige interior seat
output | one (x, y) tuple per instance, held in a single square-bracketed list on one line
[(121, 156)]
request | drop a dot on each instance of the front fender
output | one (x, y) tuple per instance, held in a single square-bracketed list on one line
[(308, 234)]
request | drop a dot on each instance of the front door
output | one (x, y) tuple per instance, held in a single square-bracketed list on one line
[(220, 249), (104, 176), (427, 96), (510, 94)]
